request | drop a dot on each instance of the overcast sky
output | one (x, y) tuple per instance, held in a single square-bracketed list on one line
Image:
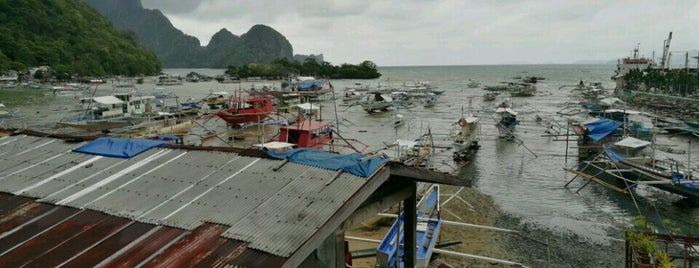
[(451, 32)]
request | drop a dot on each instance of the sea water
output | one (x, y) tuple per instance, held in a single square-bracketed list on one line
[(526, 178)]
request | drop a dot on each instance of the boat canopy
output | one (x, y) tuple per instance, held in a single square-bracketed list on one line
[(631, 142), (308, 106), (107, 100), (506, 110), (599, 129), (351, 163), (116, 147)]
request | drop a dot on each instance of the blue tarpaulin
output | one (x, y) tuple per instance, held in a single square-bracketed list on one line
[(307, 85), (168, 136), (346, 162), (115, 147), (612, 155), (601, 128)]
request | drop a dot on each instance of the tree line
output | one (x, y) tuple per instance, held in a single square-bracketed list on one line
[(282, 68), (674, 81), (70, 37)]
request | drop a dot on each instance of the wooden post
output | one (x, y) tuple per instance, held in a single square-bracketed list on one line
[(410, 226)]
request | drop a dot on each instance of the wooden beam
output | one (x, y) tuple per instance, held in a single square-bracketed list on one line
[(403, 172), (386, 196)]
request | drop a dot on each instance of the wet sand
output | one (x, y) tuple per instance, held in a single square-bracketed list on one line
[(534, 246)]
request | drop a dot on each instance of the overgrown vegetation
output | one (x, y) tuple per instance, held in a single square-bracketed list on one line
[(70, 37), (283, 67)]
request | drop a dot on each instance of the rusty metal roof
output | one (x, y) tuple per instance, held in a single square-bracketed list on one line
[(165, 206)]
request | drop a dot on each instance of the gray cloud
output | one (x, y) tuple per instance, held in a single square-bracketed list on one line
[(424, 32)]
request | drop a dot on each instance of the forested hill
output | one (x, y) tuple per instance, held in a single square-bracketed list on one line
[(261, 44), (70, 37)]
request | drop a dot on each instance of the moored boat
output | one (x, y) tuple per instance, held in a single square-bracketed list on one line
[(390, 252), (107, 112), (246, 109), (507, 119)]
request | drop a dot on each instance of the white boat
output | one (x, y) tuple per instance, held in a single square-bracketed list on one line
[(379, 103), (398, 121), (107, 112), (465, 136)]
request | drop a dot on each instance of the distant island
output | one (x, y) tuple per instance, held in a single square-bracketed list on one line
[(261, 44), (283, 68)]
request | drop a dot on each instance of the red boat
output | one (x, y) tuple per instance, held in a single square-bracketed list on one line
[(247, 109), (310, 132)]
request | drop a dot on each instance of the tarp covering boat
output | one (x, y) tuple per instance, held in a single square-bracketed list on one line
[(351, 163), (601, 128), (307, 85), (116, 147)]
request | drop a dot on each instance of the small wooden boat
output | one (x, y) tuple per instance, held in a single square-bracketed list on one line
[(390, 251), (490, 96)]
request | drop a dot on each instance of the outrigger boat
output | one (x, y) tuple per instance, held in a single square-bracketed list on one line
[(307, 131), (247, 109), (390, 251), (108, 112), (508, 119), (465, 137)]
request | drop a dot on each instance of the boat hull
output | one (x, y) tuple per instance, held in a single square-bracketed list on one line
[(93, 126)]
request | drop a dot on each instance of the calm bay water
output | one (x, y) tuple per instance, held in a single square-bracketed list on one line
[(521, 183)]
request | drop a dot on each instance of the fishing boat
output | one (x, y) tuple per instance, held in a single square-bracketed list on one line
[(430, 101), (398, 121), (490, 96), (522, 90), (107, 112), (379, 103), (390, 252), (507, 119), (168, 80), (472, 84), (310, 131), (246, 109), (465, 137), (312, 89), (216, 99)]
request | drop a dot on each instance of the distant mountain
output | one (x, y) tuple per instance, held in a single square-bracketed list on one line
[(261, 44), (71, 38)]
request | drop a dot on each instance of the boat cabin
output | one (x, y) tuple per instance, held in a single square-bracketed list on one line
[(306, 133)]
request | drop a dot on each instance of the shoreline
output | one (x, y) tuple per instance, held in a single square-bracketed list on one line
[(536, 246)]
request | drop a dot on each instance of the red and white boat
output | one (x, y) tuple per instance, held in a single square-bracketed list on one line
[(310, 132), (247, 109)]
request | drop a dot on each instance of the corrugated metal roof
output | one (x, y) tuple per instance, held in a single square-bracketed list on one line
[(168, 207)]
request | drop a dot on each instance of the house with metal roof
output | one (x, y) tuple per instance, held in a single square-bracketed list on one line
[(178, 206)]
